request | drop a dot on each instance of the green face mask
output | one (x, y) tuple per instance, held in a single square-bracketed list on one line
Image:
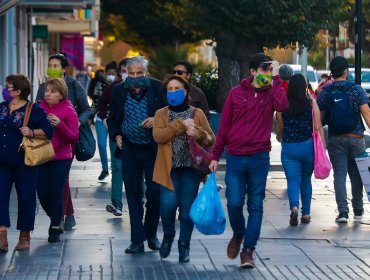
[(54, 73), (264, 80)]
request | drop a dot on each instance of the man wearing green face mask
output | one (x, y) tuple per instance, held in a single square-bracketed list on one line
[(57, 65), (245, 130)]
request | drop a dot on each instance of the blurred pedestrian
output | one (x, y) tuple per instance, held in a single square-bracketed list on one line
[(115, 207), (325, 81), (342, 104), (297, 154), (198, 99), (179, 182), (53, 175), (130, 123), (84, 78), (57, 65), (285, 72), (12, 167), (245, 130), (111, 75)]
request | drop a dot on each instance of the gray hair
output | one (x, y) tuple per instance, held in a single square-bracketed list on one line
[(138, 60), (285, 72)]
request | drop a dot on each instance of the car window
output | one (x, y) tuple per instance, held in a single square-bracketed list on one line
[(310, 74), (365, 76)]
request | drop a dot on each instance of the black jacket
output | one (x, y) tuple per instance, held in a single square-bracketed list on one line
[(118, 100)]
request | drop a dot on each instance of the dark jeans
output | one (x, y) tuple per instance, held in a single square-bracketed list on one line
[(246, 175), (24, 178), (52, 178), (135, 160), (342, 153), (186, 183)]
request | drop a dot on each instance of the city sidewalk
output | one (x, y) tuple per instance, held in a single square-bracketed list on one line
[(95, 248)]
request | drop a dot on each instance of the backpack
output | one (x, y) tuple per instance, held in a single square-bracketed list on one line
[(341, 115)]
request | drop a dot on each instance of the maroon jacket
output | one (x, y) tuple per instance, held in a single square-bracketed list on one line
[(246, 118), (104, 100)]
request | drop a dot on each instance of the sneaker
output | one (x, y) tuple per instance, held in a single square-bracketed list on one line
[(294, 217), (103, 175), (69, 222), (342, 217), (358, 213), (305, 219), (112, 209), (246, 258)]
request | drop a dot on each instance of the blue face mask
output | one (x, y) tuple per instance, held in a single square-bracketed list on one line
[(137, 82), (176, 98)]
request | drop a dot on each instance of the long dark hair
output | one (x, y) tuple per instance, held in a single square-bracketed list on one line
[(297, 97)]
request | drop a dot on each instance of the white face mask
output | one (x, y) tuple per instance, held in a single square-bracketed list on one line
[(110, 78), (124, 76)]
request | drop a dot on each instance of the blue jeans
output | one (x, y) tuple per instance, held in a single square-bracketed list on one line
[(117, 182), (298, 162), (246, 175), (186, 183), (102, 136), (342, 153)]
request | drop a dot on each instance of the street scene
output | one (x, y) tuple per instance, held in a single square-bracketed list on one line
[(187, 139)]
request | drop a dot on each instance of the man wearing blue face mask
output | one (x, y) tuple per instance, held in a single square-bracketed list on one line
[(130, 121)]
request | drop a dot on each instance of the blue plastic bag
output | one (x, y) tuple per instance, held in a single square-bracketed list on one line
[(206, 212)]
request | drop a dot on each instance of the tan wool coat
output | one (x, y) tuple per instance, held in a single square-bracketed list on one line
[(164, 132)]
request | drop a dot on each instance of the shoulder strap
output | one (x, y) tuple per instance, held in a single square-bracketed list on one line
[(27, 113), (193, 113)]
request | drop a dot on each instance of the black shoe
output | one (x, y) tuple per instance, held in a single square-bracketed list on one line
[(166, 245), (184, 248), (103, 174), (154, 244), (342, 217), (54, 234), (135, 248)]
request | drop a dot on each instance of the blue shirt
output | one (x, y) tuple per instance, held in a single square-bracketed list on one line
[(10, 136), (136, 111), (357, 97), (298, 129)]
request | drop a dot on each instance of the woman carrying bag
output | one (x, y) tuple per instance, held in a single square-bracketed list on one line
[(12, 161), (173, 167), (53, 175)]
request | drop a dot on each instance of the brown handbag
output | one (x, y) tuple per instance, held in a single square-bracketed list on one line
[(36, 151)]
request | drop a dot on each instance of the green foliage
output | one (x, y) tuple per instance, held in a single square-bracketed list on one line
[(364, 60), (206, 78), (317, 60), (161, 63)]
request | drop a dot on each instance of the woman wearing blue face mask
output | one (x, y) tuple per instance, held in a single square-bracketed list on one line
[(172, 170)]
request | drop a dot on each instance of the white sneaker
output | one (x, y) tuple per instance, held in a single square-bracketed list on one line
[(358, 214)]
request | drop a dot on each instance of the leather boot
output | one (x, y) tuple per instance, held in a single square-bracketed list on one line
[(24, 241), (184, 248), (4, 241), (166, 245)]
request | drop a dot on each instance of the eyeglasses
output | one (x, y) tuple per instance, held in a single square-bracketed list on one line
[(179, 72), (265, 66)]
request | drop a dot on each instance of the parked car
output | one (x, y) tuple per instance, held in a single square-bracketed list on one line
[(365, 78), (311, 74)]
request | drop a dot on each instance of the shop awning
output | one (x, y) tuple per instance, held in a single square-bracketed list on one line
[(73, 4), (7, 4)]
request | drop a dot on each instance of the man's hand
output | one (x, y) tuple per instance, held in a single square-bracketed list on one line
[(119, 141), (274, 68), (213, 165), (148, 122)]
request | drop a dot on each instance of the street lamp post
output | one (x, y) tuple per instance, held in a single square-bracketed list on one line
[(358, 20)]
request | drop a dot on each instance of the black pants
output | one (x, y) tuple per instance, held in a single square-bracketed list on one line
[(135, 161), (52, 177)]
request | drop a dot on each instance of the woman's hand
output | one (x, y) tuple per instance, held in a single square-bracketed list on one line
[(213, 165), (26, 131), (54, 120), (188, 123), (192, 131)]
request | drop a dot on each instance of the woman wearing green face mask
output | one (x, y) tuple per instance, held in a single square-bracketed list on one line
[(57, 65)]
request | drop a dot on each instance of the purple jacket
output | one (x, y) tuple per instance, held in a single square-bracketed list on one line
[(246, 118), (66, 133)]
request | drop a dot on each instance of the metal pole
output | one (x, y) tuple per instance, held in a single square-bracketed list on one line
[(358, 21)]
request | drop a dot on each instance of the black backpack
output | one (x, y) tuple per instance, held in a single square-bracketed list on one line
[(341, 116)]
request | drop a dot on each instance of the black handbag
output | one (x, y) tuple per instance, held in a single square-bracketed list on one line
[(86, 145)]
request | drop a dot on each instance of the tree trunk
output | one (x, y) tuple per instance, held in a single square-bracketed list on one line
[(233, 56)]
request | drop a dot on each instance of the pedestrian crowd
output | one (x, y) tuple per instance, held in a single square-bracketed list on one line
[(149, 124)]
